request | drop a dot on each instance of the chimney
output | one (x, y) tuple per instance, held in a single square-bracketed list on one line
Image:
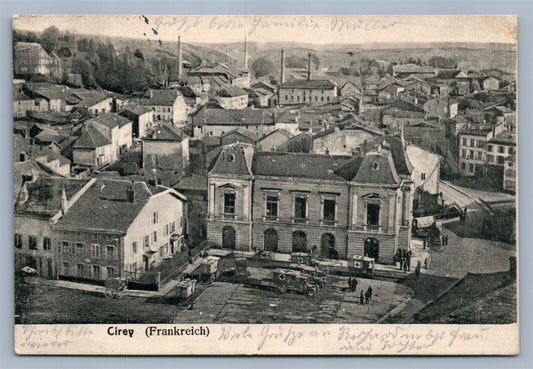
[(282, 77), (309, 66), (245, 55), (130, 191), (180, 62), (64, 201)]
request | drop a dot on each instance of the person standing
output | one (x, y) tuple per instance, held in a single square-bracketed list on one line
[(354, 285), (405, 267), (369, 291), (362, 298), (425, 263), (408, 260), (367, 297)]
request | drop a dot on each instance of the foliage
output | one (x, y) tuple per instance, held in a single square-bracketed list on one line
[(262, 67), (442, 62), (49, 39)]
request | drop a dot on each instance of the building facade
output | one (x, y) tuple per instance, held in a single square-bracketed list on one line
[(301, 91), (284, 202)]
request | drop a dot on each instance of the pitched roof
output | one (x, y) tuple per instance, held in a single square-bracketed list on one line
[(44, 195), (324, 84), (231, 91), (505, 137), (137, 109), (110, 120), (401, 160), (233, 159), (105, 206), (377, 167), (165, 132), (91, 138), (311, 166), (159, 97), (207, 116)]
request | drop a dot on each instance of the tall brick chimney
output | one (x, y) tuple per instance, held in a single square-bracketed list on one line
[(309, 66), (180, 61), (282, 77), (245, 55)]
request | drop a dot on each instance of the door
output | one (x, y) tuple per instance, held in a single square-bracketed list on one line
[(271, 240), (372, 248), (299, 242), (228, 238), (327, 246)]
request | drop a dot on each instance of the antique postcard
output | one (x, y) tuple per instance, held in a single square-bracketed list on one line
[(265, 185)]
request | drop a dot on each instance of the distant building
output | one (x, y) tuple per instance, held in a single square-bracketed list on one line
[(499, 148), (119, 229), (22, 103), (41, 202), (426, 169), (165, 154), (116, 128), (233, 76), (168, 105), (406, 70), (231, 97), (238, 135), (142, 117), (93, 149), (472, 151), (216, 122), (343, 142), (303, 91), (273, 140), (441, 108)]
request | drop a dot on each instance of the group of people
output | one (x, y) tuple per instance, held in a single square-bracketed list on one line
[(444, 240), (404, 258), (364, 297)]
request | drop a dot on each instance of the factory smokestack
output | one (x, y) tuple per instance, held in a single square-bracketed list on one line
[(282, 77), (180, 61), (309, 67), (245, 55)]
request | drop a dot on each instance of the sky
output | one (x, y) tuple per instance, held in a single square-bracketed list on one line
[(287, 28)]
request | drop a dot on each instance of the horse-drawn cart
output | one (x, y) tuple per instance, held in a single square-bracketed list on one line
[(114, 287)]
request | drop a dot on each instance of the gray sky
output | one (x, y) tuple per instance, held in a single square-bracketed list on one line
[(292, 28)]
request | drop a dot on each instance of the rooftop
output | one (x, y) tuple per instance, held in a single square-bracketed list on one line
[(91, 138), (110, 120), (165, 132), (105, 206), (315, 84), (159, 97), (232, 117)]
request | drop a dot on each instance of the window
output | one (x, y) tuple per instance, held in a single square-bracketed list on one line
[(272, 206), (490, 158), (161, 251), (134, 247), (511, 150), (375, 165), (329, 210), (97, 273), (172, 227), (489, 148), (95, 250), (501, 149), (500, 159), (464, 142), (110, 252), (479, 155), (423, 176), (167, 227), (18, 241), (64, 247), (300, 208), (480, 143), (79, 248), (80, 270), (463, 153), (146, 242), (372, 214), (229, 203), (32, 242), (463, 166), (111, 273), (47, 243), (471, 168), (156, 216), (66, 268), (154, 236)]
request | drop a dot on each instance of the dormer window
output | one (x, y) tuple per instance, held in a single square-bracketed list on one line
[(375, 165), (231, 158)]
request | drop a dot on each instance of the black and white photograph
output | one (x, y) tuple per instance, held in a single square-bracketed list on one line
[(202, 172)]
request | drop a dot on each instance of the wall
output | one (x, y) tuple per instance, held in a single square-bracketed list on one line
[(290, 96), (169, 209), (179, 111), (236, 102), (272, 141), (219, 130), (40, 228), (170, 156), (20, 107), (102, 107)]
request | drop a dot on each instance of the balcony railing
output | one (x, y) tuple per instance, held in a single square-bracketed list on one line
[(328, 222), (371, 227), (300, 220)]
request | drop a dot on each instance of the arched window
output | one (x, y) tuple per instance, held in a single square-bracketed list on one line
[(299, 242)]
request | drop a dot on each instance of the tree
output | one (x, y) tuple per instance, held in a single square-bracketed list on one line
[(261, 67), (49, 39)]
